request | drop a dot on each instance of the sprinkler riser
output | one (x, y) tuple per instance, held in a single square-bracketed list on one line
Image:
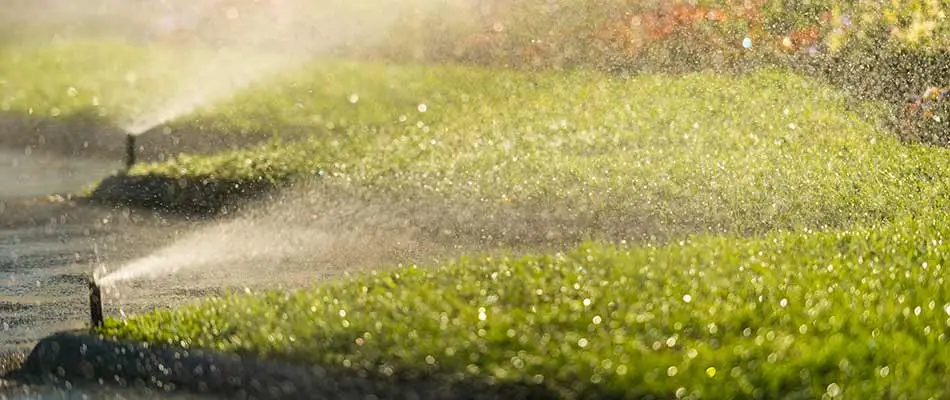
[(95, 304), (129, 150)]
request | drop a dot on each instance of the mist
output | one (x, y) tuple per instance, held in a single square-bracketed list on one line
[(230, 43)]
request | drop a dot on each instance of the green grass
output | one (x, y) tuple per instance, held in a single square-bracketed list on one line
[(63, 79), (769, 150), (698, 152), (670, 155), (107, 79), (862, 313)]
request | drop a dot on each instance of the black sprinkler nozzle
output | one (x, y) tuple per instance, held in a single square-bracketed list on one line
[(129, 150), (95, 304)]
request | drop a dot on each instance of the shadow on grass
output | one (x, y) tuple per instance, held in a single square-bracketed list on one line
[(79, 358), (193, 196)]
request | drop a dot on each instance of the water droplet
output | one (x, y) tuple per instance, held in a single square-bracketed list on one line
[(55, 112), (687, 298), (747, 43), (834, 390), (884, 371), (72, 92), (342, 313), (783, 303), (680, 393), (517, 362), (596, 320), (430, 360), (711, 372), (671, 371), (586, 302), (423, 108), (353, 98), (582, 343)]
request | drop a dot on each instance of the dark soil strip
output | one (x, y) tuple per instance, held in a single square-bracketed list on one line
[(193, 196), (78, 357)]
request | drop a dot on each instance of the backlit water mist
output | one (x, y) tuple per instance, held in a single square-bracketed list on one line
[(232, 44), (303, 227)]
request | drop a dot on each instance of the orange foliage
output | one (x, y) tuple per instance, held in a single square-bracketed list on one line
[(626, 34), (805, 37), (631, 32)]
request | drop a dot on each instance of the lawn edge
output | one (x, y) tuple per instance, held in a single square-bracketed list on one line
[(82, 357)]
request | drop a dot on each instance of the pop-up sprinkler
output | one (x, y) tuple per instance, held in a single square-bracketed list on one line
[(129, 150), (95, 304)]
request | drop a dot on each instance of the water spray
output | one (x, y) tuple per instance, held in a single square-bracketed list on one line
[(95, 304)]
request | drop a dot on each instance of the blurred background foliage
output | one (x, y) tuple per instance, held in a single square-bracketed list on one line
[(894, 50)]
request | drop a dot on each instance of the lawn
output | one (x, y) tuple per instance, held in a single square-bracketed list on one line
[(678, 153), (813, 265), (859, 313), (849, 300)]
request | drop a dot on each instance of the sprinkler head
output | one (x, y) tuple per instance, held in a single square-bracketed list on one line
[(95, 304), (129, 150)]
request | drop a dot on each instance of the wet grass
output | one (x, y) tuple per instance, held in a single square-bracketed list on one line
[(861, 313), (864, 312), (692, 153)]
